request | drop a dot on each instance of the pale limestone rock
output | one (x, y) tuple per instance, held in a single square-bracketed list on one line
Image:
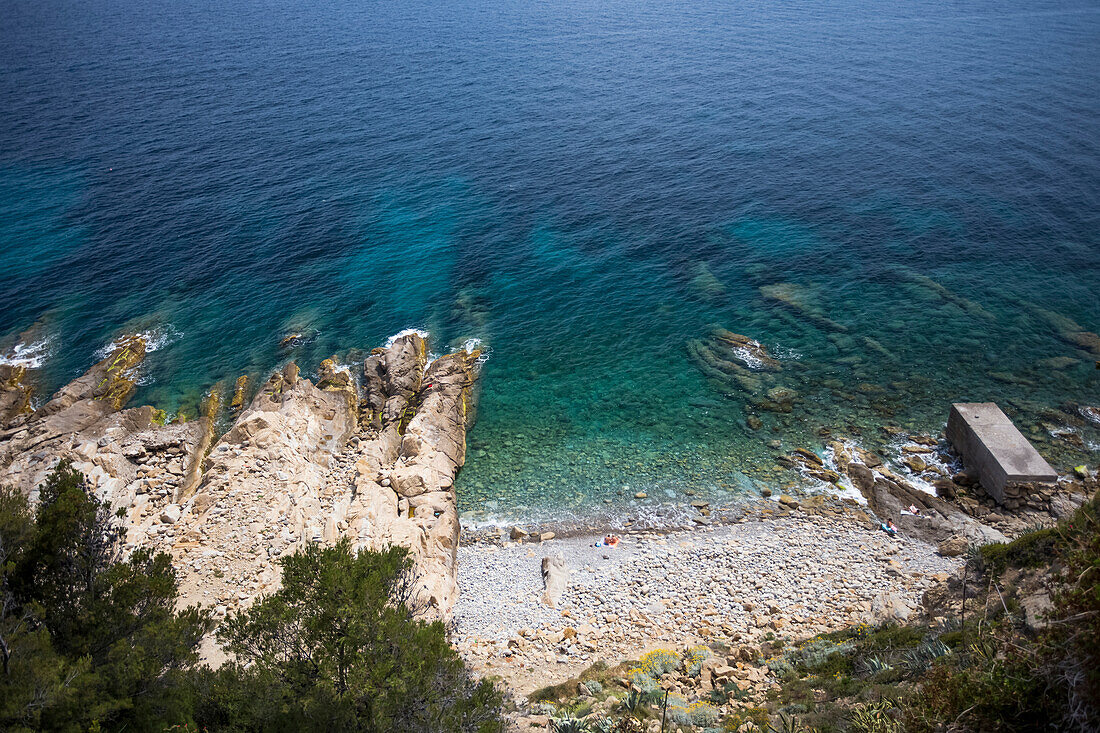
[(85, 423), (555, 579)]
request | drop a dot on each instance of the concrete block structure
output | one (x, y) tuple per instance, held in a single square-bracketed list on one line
[(1007, 464)]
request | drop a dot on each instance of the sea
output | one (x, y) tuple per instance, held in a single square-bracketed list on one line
[(898, 202)]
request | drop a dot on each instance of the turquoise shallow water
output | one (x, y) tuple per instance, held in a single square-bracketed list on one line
[(584, 187)]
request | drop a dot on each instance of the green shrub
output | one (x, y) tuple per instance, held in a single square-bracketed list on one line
[(90, 640), (1030, 550), (338, 647), (874, 717)]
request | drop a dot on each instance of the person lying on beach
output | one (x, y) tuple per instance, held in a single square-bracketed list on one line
[(608, 541), (889, 528), (914, 510)]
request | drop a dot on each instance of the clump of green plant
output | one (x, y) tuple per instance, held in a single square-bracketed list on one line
[(874, 717), (921, 658), (816, 655), (677, 710), (659, 662), (753, 719), (566, 720), (730, 691), (642, 681), (1005, 678), (703, 714), (875, 665), (788, 723), (90, 640), (1030, 550), (694, 657), (593, 687)]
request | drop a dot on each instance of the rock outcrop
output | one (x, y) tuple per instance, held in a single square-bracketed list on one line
[(890, 496), (404, 475), (301, 463), (132, 459), (15, 395), (306, 463)]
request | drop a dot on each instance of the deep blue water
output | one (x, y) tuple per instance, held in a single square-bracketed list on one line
[(584, 186)]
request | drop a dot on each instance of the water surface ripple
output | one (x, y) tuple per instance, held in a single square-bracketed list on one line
[(586, 187)]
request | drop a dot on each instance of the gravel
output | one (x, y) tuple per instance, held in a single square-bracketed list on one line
[(793, 575)]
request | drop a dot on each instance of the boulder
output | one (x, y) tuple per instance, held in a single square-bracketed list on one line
[(555, 579), (953, 546), (890, 607), (1036, 607)]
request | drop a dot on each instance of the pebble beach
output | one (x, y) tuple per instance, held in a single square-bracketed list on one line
[(770, 571)]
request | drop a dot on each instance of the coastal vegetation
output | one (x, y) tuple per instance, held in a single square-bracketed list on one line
[(92, 640)]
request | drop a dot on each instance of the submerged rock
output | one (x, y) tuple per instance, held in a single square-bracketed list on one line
[(706, 284), (944, 294), (1067, 329), (798, 298), (739, 364), (749, 352)]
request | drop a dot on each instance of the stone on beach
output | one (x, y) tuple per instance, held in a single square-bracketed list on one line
[(555, 579)]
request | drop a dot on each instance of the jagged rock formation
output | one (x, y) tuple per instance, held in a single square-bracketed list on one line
[(889, 496), (130, 457), (307, 463), (302, 463), (15, 395)]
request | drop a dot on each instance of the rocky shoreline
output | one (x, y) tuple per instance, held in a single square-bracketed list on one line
[(736, 577), (371, 459), (762, 568)]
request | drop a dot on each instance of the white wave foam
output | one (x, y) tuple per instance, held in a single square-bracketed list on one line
[(407, 332), (154, 338), (475, 344), (785, 352), (933, 459), (31, 356), (843, 488), (748, 358)]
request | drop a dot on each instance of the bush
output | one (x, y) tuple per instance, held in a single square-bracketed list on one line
[(89, 640), (659, 661), (694, 657), (1030, 550), (93, 641), (338, 648)]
